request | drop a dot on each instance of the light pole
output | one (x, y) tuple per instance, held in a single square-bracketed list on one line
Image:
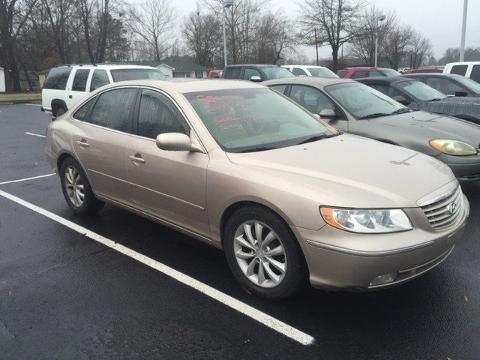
[(226, 5), (464, 29), (379, 19)]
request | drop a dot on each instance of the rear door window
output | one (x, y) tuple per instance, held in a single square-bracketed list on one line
[(80, 80), (279, 88), (249, 72), (99, 79), (233, 73), (475, 75), (81, 114), (311, 98), (112, 109), (459, 69), (298, 72), (57, 78)]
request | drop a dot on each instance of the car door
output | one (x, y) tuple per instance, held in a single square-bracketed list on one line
[(78, 88), (170, 185), (103, 131), (315, 101)]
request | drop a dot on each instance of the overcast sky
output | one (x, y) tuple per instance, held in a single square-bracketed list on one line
[(438, 20)]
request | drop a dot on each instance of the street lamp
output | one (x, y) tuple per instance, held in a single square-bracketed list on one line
[(379, 19), (464, 29), (226, 5)]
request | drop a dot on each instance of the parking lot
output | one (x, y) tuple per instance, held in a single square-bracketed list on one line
[(119, 286)]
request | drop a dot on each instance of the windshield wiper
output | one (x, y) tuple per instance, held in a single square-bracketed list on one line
[(260, 148), (374, 115), (318, 137), (435, 99), (400, 111)]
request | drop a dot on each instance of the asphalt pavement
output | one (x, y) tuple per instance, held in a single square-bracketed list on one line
[(64, 295)]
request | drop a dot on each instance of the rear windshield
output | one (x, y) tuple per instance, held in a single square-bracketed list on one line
[(275, 72), (322, 72), (57, 78), (136, 74)]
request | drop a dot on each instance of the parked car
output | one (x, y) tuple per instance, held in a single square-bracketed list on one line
[(256, 72), (469, 69), (449, 84), (215, 74), (310, 70), (361, 72), (245, 169), (419, 96), (426, 69), (66, 85), (358, 109)]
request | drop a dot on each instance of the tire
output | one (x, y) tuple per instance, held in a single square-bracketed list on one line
[(276, 285), (58, 111), (77, 190)]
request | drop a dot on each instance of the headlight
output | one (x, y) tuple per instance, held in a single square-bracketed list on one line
[(453, 147), (367, 221)]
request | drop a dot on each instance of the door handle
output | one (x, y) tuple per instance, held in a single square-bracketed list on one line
[(83, 143), (70, 96), (137, 158)]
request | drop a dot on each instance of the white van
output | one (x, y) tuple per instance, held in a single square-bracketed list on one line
[(469, 69), (68, 84)]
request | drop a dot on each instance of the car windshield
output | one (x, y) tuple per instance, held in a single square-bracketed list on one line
[(362, 101), (469, 84), (322, 72), (247, 120), (390, 72), (420, 91), (276, 72), (136, 74)]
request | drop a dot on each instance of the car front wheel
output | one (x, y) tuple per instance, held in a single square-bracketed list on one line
[(263, 254)]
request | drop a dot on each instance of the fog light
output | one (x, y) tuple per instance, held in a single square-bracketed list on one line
[(383, 279)]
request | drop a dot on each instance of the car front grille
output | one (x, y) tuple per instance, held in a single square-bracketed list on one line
[(443, 212)]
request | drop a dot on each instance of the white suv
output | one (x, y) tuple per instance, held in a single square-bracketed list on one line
[(310, 70), (68, 84), (469, 69)]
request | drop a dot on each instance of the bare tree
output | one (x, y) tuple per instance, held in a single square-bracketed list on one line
[(395, 45), (420, 50), (335, 21), (362, 46), (13, 16), (203, 37), (153, 21)]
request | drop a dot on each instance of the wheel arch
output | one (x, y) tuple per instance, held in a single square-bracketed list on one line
[(56, 103)]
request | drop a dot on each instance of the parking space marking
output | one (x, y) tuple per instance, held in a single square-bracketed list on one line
[(40, 105), (26, 179), (33, 134), (245, 309)]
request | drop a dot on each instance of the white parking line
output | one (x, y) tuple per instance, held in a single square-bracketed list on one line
[(26, 179), (33, 134), (33, 104), (257, 315)]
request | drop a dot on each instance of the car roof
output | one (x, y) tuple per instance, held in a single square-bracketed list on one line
[(443, 75), (365, 68), (304, 80), (463, 63), (253, 65), (190, 85), (309, 66), (107, 66)]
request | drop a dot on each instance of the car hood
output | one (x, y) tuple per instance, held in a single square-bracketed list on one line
[(434, 126), (348, 171), (466, 107)]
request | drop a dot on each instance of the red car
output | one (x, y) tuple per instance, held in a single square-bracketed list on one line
[(364, 72), (426, 69)]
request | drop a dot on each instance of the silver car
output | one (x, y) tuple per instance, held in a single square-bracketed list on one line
[(242, 168), (358, 109)]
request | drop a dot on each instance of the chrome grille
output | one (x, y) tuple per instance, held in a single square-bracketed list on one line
[(443, 212)]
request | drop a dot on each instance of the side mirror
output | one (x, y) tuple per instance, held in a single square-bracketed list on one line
[(256, 78), (327, 114), (461, 93), (401, 99), (176, 142)]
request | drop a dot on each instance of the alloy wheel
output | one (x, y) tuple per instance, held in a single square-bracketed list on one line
[(74, 186)]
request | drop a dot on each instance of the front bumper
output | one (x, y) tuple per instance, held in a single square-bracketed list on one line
[(342, 260), (465, 168)]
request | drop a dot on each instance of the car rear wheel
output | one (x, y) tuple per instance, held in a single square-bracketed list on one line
[(263, 254), (77, 190)]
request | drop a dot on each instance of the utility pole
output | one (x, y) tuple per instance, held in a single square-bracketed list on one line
[(379, 19), (226, 5), (316, 43), (464, 30)]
